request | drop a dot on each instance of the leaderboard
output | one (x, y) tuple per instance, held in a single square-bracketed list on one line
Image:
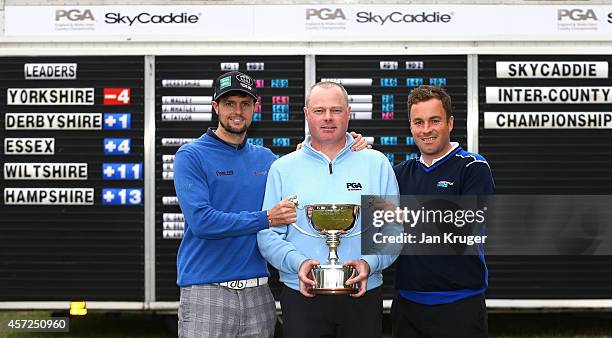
[(184, 112), (378, 88), (544, 127), (540, 111), (71, 180)]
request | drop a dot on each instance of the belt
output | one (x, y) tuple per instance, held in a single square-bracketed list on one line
[(244, 283)]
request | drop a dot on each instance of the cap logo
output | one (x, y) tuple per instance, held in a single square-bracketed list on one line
[(244, 79), (225, 82)]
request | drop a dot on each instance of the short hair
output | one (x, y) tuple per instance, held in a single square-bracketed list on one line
[(425, 93), (327, 85)]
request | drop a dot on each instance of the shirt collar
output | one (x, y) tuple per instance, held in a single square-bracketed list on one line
[(211, 132), (454, 145), (309, 149)]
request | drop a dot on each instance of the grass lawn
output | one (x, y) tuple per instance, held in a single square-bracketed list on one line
[(111, 325)]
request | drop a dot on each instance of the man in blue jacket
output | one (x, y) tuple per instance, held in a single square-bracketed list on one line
[(219, 181), (440, 296), (325, 171)]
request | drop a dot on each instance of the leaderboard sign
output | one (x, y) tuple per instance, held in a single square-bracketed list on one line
[(72, 177), (577, 94), (378, 88), (545, 129), (546, 110), (184, 112)]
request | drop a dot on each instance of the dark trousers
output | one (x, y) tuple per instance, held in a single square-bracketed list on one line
[(466, 318), (339, 316)]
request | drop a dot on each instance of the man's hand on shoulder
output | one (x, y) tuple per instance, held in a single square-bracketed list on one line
[(360, 142)]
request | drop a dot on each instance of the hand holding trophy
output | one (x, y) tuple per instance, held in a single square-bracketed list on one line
[(332, 221)]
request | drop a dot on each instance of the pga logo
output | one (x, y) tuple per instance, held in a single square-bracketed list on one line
[(74, 15), (576, 14), (325, 13), (351, 186)]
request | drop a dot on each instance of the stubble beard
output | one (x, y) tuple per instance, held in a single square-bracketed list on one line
[(233, 130)]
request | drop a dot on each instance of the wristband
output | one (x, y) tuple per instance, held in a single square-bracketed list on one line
[(269, 219)]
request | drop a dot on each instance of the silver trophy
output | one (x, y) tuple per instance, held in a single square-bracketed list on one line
[(331, 221)]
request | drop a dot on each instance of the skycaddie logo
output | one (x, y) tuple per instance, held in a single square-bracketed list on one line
[(225, 82)]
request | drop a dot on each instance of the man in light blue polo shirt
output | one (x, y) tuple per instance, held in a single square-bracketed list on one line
[(326, 171)]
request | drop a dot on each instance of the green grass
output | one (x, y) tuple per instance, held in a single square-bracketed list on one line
[(137, 324)]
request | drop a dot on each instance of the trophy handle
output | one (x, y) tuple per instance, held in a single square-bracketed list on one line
[(357, 215), (309, 214)]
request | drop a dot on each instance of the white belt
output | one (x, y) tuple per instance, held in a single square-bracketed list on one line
[(244, 283)]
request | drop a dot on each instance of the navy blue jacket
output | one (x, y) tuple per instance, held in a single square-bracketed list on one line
[(443, 279)]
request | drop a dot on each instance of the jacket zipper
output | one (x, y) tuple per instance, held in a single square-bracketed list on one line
[(330, 168)]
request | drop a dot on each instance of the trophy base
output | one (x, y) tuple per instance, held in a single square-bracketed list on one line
[(331, 280), (346, 291)]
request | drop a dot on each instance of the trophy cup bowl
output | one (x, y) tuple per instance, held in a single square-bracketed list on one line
[(331, 221)]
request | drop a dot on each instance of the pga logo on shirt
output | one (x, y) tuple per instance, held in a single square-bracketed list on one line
[(353, 186)]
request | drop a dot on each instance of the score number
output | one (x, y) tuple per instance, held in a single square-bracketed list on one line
[(258, 141), (388, 140), (388, 82), (414, 81), (116, 96), (281, 142), (280, 112), (121, 171), (117, 146), (279, 83), (114, 196), (120, 121)]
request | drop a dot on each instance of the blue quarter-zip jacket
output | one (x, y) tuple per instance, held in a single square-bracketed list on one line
[(220, 191), (314, 178)]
